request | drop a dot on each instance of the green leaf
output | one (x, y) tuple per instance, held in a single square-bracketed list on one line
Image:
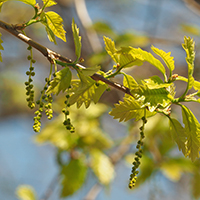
[(178, 134), (110, 48), (49, 3), (77, 40), (73, 174), (26, 192), (155, 82), (188, 46), (102, 166), (30, 2), (148, 57), (128, 59), (196, 84), (1, 47), (169, 61), (60, 82), (86, 90), (192, 131), (129, 81), (152, 98), (54, 22), (129, 109), (90, 70)]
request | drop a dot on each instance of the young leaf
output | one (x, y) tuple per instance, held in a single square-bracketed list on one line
[(148, 57), (152, 98), (26, 192), (129, 81), (30, 2), (102, 166), (86, 90), (77, 39), (110, 48), (1, 47), (54, 22), (129, 109), (90, 70), (49, 3), (178, 134), (128, 59), (188, 46), (169, 61), (74, 174), (155, 82), (60, 82), (196, 184), (192, 131)]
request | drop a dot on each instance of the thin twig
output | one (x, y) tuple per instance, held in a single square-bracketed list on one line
[(50, 55)]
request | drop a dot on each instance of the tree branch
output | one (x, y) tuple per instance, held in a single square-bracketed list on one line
[(50, 55)]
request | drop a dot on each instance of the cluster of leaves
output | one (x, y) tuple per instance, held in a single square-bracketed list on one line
[(149, 97), (51, 20)]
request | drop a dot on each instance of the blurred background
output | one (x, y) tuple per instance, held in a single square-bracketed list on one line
[(25, 159)]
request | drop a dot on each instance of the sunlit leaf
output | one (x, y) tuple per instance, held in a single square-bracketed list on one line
[(178, 134), (30, 2), (148, 57), (188, 46), (110, 48), (128, 109), (89, 71), (77, 39), (192, 131), (102, 166), (152, 98), (155, 82), (54, 22), (60, 82), (128, 59), (169, 61), (73, 176), (86, 90), (49, 3), (129, 81), (26, 192)]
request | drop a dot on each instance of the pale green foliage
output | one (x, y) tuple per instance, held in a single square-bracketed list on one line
[(73, 176), (77, 40), (49, 3), (61, 81), (102, 166), (30, 2), (129, 56), (86, 90), (169, 61), (26, 192), (54, 22), (178, 134), (89, 71), (192, 131), (188, 46), (155, 82), (87, 133)]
